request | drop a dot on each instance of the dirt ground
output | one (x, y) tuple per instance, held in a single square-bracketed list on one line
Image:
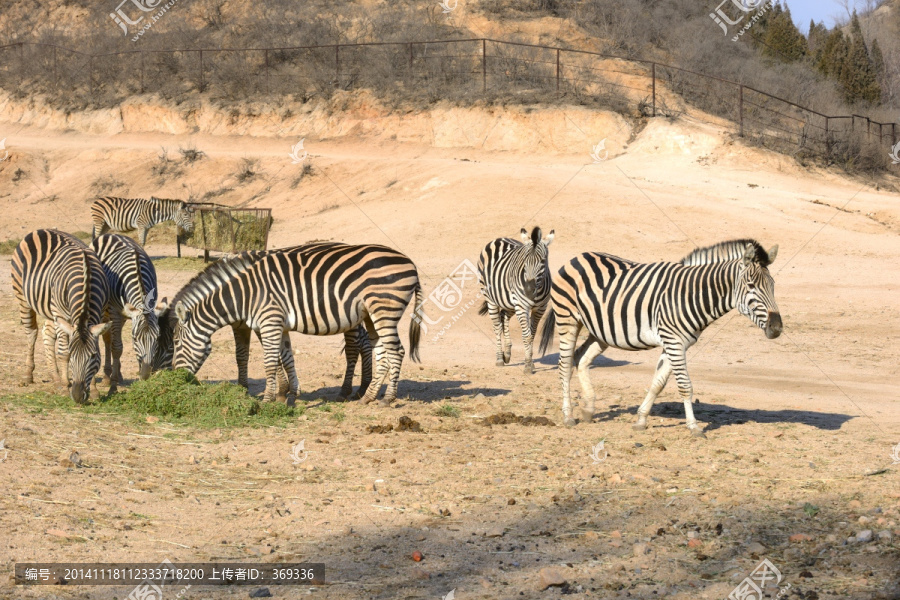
[(796, 426)]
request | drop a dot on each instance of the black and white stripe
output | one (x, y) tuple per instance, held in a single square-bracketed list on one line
[(515, 279), (133, 295), (635, 306), (55, 275), (129, 214), (317, 289)]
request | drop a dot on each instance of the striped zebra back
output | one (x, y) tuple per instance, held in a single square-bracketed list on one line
[(133, 289), (513, 272), (59, 278), (723, 252), (127, 214)]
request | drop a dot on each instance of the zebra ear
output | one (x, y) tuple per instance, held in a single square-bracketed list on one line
[(65, 326), (161, 307), (181, 312), (749, 254), (549, 239), (524, 235), (99, 329), (129, 310), (773, 252)]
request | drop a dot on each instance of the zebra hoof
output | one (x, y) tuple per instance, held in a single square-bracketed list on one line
[(345, 393), (529, 369), (384, 402), (26, 381), (500, 363), (506, 357), (698, 433), (281, 398), (569, 422), (639, 426), (587, 415)]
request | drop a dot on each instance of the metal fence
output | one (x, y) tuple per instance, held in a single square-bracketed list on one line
[(467, 68), (224, 229)]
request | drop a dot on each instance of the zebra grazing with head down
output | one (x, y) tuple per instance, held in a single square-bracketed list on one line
[(55, 275), (634, 306), (128, 214), (356, 343), (317, 289), (133, 295), (515, 279)]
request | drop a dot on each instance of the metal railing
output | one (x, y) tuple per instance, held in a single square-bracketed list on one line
[(443, 68)]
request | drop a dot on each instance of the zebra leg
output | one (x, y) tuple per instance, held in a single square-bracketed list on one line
[(272, 339), (288, 383), (497, 321), (568, 337), (48, 334), (507, 343), (663, 370), (242, 352), (115, 329), (29, 319), (678, 357), (144, 233), (107, 357), (387, 352), (524, 316), (365, 348), (351, 351), (585, 355)]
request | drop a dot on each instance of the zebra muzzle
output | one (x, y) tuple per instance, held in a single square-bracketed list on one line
[(528, 287), (774, 326), (145, 370), (78, 392)]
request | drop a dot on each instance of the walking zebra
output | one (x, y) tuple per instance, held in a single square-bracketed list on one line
[(128, 214), (515, 280), (318, 289), (133, 295), (55, 275), (356, 343), (635, 306)]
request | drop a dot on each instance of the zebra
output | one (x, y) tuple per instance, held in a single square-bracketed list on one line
[(133, 295), (634, 306), (318, 289), (127, 214), (356, 344), (55, 275), (515, 279)]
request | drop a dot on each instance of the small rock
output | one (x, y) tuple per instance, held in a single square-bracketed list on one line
[(495, 532), (640, 549), (615, 478), (192, 460), (152, 419), (854, 504), (261, 593), (511, 502), (885, 536), (417, 556), (864, 536), (672, 490), (694, 543), (615, 534), (852, 539), (550, 576), (692, 534), (756, 548), (478, 396), (591, 535), (800, 537), (542, 467), (70, 459)]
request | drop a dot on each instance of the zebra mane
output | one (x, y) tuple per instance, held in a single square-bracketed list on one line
[(214, 276), (725, 251), (86, 295)]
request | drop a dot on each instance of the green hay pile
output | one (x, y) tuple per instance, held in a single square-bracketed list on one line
[(212, 230)]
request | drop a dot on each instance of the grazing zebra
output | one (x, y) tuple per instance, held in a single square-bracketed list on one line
[(635, 306), (127, 214), (133, 295), (55, 275), (317, 289), (515, 280), (356, 343)]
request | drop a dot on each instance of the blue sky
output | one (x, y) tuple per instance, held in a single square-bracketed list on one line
[(819, 10)]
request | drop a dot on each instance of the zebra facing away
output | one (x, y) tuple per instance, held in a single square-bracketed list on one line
[(133, 295), (515, 279), (128, 214), (317, 289), (635, 306), (55, 275)]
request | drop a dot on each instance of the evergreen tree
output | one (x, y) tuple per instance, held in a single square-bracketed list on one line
[(857, 74), (834, 52), (782, 38), (877, 59)]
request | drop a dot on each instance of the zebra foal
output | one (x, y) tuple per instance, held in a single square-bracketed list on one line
[(317, 289), (133, 295), (128, 214), (55, 275), (515, 280), (634, 306)]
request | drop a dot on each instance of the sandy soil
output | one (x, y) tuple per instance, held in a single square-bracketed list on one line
[(801, 419)]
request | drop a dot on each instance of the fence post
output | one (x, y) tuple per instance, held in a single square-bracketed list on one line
[(741, 110), (268, 88), (557, 69), (653, 65), (893, 134), (483, 65), (201, 71), (827, 138), (55, 70), (337, 65), (91, 76), (410, 57)]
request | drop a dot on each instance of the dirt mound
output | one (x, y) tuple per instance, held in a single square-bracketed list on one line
[(508, 418)]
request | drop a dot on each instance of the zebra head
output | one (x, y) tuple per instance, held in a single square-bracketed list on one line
[(192, 344), (145, 333), (535, 274), (184, 218), (84, 356), (756, 290)]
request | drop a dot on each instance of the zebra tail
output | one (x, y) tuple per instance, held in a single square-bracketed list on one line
[(547, 331), (415, 327), (484, 308)]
